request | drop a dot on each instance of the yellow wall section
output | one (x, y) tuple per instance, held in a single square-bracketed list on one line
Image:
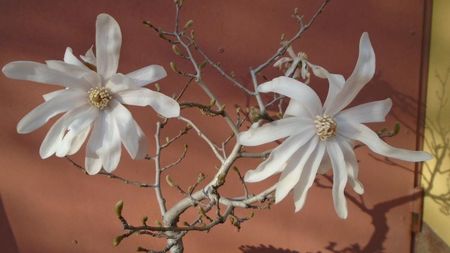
[(436, 173)]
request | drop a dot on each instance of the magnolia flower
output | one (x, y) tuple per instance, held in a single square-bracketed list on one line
[(291, 63), (93, 98), (320, 137)]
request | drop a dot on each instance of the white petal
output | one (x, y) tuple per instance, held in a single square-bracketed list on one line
[(325, 165), (274, 130), (307, 177), (352, 165), (56, 132), (111, 148), (339, 178), (296, 90), (295, 108), (293, 67), (162, 104), (131, 134), (120, 82), (93, 161), (89, 57), (363, 134), (91, 77), (108, 40), (335, 82), (40, 115), (146, 75), (279, 63), (41, 73), (53, 94), (278, 157), (72, 59), (291, 174), (79, 140), (369, 112), (363, 72), (76, 127), (291, 52), (304, 70)]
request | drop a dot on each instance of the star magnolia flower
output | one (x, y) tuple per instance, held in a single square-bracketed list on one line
[(92, 99), (291, 62), (320, 137)]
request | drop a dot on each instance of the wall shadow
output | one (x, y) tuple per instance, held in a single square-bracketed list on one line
[(7, 240), (378, 214)]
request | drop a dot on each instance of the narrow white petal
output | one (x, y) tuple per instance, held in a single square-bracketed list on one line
[(79, 140), (274, 130), (304, 70), (307, 177), (339, 178), (325, 165), (369, 112), (41, 73), (53, 94), (120, 82), (335, 82), (363, 72), (45, 111), (131, 134), (93, 161), (111, 148), (293, 67), (146, 75), (162, 104), (89, 57), (294, 167), (363, 134), (76, 127), (291, 52), (108, 40), (90, 77), (295, 108), (294, 89), (278, 157), (279, 63), (56, 132), (70, 58), (352, 164)]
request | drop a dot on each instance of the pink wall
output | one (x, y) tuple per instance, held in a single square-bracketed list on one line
[(49, 206)]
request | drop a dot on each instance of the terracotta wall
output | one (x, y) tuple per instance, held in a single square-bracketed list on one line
[(49, 206)]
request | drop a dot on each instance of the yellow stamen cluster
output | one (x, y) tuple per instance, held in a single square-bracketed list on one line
[(325, 127), (99, 97)]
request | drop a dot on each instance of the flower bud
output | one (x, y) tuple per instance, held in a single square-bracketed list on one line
[(118, 208), (170, 181), (117, 240), (173, 66), (188, 24), (176, 50)]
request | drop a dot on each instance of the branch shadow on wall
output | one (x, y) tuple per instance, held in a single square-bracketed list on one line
[(7, 240), (378, 214)]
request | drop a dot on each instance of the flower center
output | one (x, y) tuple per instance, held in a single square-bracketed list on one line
[(325, 127), (99, 97)]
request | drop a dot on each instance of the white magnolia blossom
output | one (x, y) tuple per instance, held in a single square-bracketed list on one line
[(92, 99), (291, 63), (320, 137)]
